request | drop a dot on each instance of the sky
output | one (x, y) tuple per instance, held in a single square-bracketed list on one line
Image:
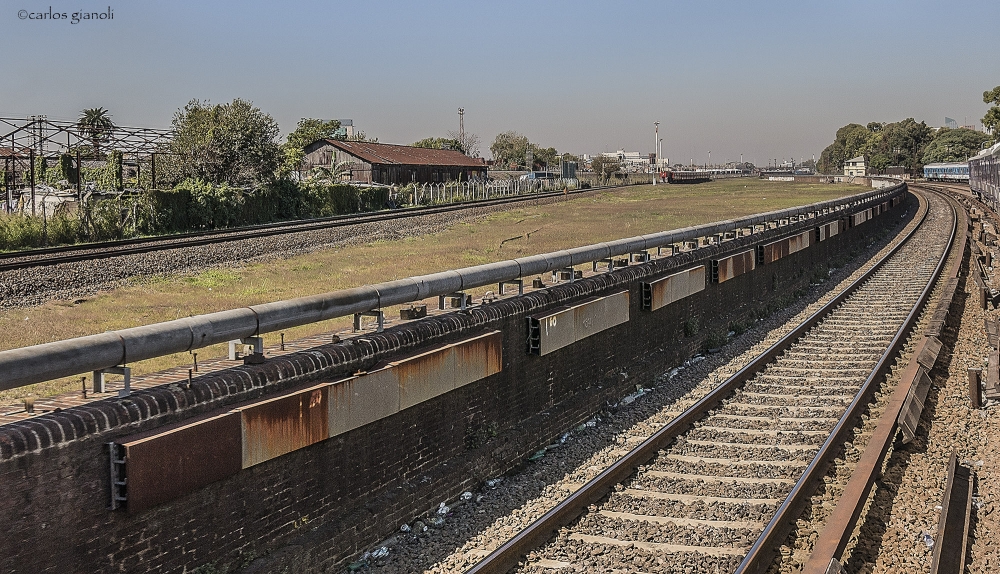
[(766, 79)]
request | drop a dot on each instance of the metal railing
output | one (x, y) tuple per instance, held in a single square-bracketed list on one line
[(47, 361)]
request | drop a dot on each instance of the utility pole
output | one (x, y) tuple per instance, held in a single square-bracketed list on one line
[(656, 141), (656, 150), (461, 127)]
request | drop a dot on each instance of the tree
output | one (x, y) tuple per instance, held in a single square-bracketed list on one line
[(509, 150), (231, 143), (991, 121), (545, 157), (604, 166), (309, 130), (440, 143), (467, 142), (882, 144), (953, 145), (96, 125)]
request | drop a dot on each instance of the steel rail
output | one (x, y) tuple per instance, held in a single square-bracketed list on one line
[(47, 361), (761, 554), (835, 536), (507, 556)]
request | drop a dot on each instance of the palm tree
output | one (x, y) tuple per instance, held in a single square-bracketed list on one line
[(334, 173), (96, 124)]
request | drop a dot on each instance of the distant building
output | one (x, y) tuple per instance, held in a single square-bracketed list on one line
[(346, 130), (629, 160), (855, 166), (389, 164)]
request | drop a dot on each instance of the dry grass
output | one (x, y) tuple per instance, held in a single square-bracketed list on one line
[(575, 222)]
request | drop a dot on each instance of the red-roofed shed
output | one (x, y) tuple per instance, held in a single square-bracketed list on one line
[(393, 164)]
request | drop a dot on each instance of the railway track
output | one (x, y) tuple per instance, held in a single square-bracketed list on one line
[(716, 488), (87, 251)]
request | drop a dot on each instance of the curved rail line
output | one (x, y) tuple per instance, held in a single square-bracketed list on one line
[(829, 548), (735, 468), (84, 251)]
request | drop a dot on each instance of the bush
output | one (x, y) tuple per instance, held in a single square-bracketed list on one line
[(20, 232), (190, 206)]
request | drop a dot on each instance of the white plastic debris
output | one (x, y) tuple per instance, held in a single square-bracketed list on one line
[(564, 438), (466, 496), (673, 372), (443, 509), (404, 528), (927, 538), (494, 482), (381, 552)]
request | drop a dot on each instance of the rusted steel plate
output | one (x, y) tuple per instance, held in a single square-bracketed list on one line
[(735, 265), (778, 249), (952, 539), (371, 396), (909, 415), (562, 328), (172, 462), (434, 373), (280, 425), (828, 230), (662, 292), (992, 333), (929, 355)]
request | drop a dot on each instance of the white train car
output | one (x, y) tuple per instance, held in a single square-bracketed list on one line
[(947, 171), (984, 175)]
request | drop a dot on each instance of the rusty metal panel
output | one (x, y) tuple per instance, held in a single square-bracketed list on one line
[(735, 265), (774, 251), (799, 242), (368, 397), (662, 292), (425, 376), (565, 327), (828, 230), (913, 405), (436, 372), (280, 425), (928, 356), (363, 399), (171, 462), (478, 358)]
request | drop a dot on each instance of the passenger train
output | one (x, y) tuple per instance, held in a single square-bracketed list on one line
[(946, 172), (984, 175)]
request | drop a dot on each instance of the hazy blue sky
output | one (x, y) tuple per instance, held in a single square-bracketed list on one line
[(766, 79)]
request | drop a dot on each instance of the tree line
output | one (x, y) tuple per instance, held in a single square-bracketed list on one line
[(909, 143)]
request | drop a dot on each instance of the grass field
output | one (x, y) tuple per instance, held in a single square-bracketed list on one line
[(516, 233)]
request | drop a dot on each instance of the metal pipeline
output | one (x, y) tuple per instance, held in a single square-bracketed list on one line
[(47, 361)]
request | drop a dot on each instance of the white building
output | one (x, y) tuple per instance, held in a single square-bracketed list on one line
[(630, 160), (855, 166)]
